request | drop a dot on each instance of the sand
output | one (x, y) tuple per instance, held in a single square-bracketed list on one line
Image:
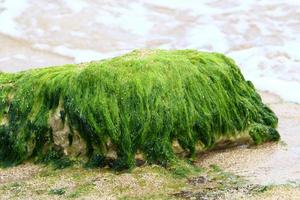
[(272, 163)]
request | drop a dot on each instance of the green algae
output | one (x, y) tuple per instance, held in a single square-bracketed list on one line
[(139, 102)]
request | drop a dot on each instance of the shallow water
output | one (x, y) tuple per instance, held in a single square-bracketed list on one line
[(262, 36)]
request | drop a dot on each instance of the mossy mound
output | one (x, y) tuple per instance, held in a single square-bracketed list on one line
[(139, 102)]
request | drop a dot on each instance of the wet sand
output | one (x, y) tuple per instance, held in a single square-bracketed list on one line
[(271, 163)]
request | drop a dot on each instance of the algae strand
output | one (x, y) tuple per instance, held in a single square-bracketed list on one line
[(141, 102)]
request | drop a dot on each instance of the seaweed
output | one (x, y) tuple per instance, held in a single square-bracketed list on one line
[(140, 102)]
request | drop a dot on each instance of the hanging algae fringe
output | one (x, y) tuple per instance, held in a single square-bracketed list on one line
[(139, 102)]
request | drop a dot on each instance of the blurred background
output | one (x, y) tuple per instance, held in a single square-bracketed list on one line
[(262, 36)]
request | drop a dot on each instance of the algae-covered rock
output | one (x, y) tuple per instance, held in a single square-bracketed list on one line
[(139, 102)]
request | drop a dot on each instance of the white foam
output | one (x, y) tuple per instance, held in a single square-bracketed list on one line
[(55, 28), (20, 56), (293, 49), (11, 10), (132, 19), (204, 37), (41, 46), (78, 33), (195, 7), (77, 5), (288, 90), (4, 59), (82, 55)]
